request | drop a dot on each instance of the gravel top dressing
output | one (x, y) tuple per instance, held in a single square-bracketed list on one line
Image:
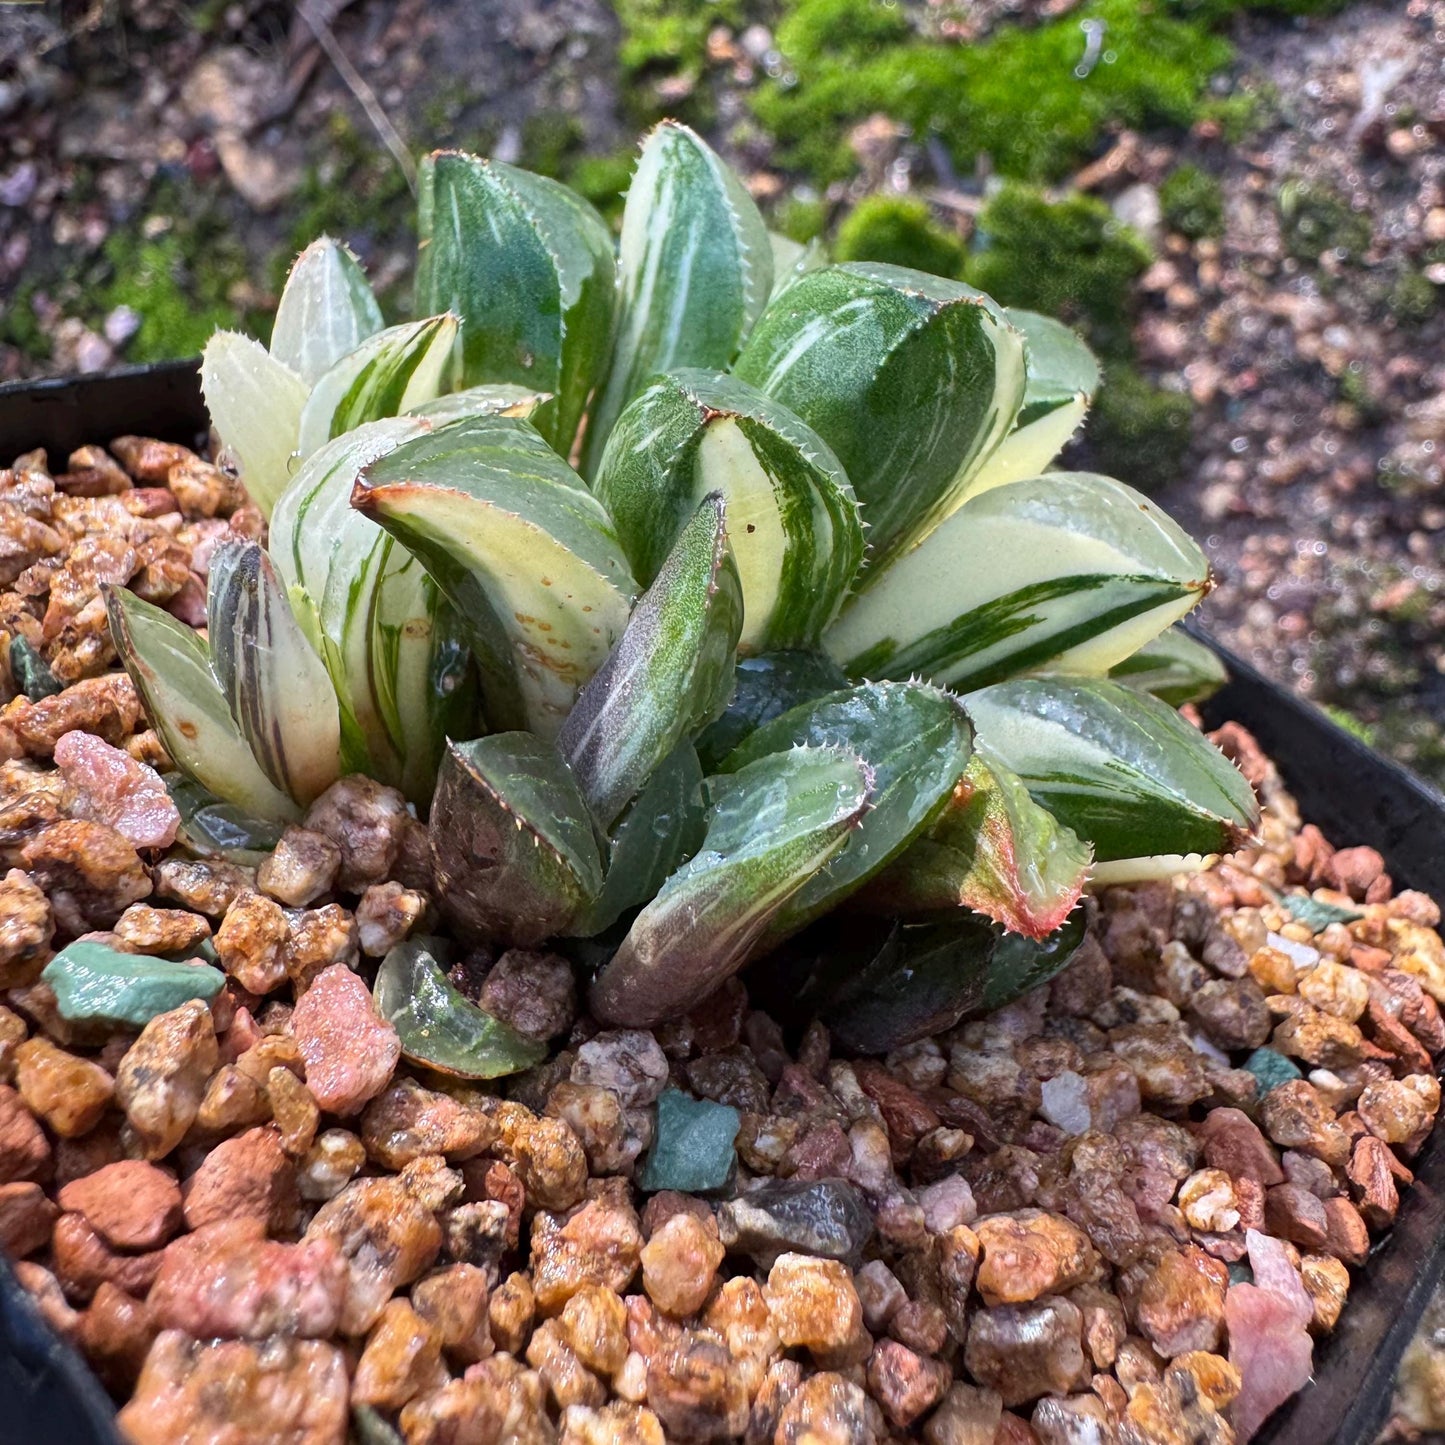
[(1122, 1207)]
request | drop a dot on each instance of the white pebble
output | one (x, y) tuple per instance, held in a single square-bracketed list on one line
[(1066, 1102)]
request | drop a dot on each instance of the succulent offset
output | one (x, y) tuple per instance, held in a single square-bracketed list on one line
[(702, 593)]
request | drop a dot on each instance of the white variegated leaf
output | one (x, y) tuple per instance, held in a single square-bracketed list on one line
[(909, 378), (1063, 376), (1068, 571), (326, 311), (792, 517), (1120, 768), (277, 687), (695, 269), (387, 375), (255, 404), (528, 265), (170, 667), (522, 549), (498, 398)]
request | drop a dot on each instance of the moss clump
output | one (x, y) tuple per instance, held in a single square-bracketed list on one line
[(1024, 96), (1412, 298), (1069, 258), (1192, 202), (1139, 432), (1315, 218), (801, 218), (899, 230)]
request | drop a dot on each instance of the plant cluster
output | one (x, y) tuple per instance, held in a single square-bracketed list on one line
[(697, 589)]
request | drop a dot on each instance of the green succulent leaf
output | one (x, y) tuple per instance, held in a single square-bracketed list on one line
[(792, 517), (661, 829), (1069, 571), (388, 374), (522, 550), (993, 850), (528, 266), (879, 984), (514, 852), (389, 641), (773, 826), (278, 688), (766, 687), (211, 828), (695, 268), (916, 738), (171, 670), (909, 379), (1174, 668), (439, 1027), (1062, 377), (326, 311), (255, 404), (1121, 769), (670, 673), (496, 399)]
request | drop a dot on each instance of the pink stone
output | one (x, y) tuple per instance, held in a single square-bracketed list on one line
[(350, 1050), (113, 788)]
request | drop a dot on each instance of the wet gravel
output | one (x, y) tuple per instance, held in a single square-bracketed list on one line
[(1121, 1208)]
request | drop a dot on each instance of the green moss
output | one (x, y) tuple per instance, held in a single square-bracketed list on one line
[(1193, 202), (1018, 96), (1413, 298), (1315, 218), (899, 230), (550, 140), (1139, 432), (800, 218), (179, 303), (19, 325), (1357, 727), (604, 179), (1069, 258), (1246, 112)]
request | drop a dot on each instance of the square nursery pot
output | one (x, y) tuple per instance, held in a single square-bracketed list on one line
[(1351, 793)]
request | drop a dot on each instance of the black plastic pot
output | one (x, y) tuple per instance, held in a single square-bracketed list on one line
[(47, 1395)]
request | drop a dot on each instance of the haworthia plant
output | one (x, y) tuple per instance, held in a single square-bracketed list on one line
[(528, 266), (903, 375), (522, 549), (1069, 571), (388, 639), (1120, 768), (695, 269), (712, 696), (772, 827), (669, 675), (792, 516)]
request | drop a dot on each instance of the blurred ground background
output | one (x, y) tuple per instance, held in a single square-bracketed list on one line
[(1242, 205)]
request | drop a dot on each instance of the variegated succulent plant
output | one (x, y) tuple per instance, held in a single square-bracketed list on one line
[(786, 640)]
